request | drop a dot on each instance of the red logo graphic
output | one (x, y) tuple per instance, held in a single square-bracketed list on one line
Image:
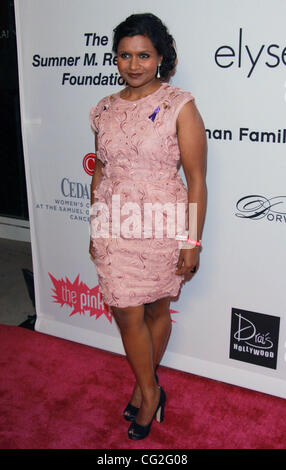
[(89, 162), (81, 298)]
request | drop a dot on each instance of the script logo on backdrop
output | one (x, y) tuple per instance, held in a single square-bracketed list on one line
[(256, 207), (247, 56), (254, 338)]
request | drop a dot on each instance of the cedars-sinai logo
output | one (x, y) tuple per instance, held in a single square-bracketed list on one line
[(82, 299), (256, 207), (88, 163)]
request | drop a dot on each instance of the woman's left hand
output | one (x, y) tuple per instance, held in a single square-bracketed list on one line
[(188, 262)]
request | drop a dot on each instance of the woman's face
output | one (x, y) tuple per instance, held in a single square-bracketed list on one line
[(137, 60)]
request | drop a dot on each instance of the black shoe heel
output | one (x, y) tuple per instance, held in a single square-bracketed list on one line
[(137, 431), (131, 411)]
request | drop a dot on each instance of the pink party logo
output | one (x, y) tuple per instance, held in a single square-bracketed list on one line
[(80, 298), (88, 163)]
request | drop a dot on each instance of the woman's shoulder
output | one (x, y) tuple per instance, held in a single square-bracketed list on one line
[(177, 93), (175, 98), (96, 111), (103, 101)]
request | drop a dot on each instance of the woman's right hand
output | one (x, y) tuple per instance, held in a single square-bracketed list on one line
[(91, 249)]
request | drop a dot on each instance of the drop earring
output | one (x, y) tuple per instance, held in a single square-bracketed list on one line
[(158, 71)]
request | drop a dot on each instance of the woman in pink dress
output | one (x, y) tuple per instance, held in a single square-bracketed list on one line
[(142, 134)]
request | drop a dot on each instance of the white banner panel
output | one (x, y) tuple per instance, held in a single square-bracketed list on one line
[(229, 322)]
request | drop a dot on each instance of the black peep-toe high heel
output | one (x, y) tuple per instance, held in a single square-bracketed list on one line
[(137, 431), (131, 411)]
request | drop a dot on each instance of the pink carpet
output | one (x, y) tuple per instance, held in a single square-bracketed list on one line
[(58, 394)]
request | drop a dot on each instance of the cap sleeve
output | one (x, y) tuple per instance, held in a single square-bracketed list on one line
[(95, 113), (182, 99), (94, 118)]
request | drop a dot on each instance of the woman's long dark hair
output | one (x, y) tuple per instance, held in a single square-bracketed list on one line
[(147, 24)]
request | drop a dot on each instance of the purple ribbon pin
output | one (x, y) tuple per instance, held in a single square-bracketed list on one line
[(153, 115)]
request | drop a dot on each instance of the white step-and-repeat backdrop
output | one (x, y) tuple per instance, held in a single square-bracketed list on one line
[(229, 322)]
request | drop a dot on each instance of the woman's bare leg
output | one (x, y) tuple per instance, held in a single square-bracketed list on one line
[(159, 323), (138, 346), (158, 319)]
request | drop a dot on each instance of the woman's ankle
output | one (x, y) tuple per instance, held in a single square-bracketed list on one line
[(150, 394)]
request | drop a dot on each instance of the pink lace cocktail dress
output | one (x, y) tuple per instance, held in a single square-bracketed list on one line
[(137, 142)]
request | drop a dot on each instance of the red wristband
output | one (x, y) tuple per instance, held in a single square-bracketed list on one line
[(194, 242)]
